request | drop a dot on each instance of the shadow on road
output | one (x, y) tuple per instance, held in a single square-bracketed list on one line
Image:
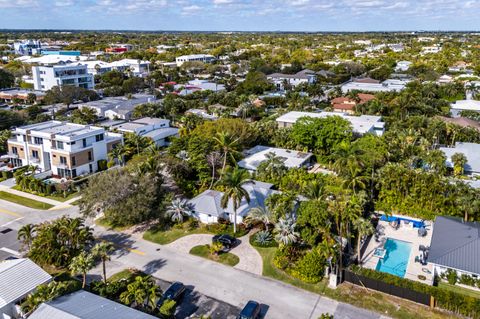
[(122, 242), (154, 265)]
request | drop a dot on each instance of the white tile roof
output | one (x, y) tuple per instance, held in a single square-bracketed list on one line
[(19, 277)]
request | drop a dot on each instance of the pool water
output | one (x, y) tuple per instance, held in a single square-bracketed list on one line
[(396, 258)]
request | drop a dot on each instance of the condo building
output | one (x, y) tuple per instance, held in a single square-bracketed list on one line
[(46, 77)]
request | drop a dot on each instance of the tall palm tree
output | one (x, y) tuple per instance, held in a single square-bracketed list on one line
[(228, 145), (285, 231), (178, 209), (26, 235), (102, 251), (364, 228), (214, 159), (234, 182), (82, 264)]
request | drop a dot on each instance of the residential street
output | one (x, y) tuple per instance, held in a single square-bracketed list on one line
[(212, 279)]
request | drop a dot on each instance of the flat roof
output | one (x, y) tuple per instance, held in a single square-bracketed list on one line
[(257, 155), (471, 105), (60, 129)]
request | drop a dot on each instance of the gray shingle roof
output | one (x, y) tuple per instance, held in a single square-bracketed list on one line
[(85, 305), (19, 277), (455, 244)]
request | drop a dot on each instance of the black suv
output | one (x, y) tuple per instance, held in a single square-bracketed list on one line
[(226, 240), (250, 311), (174, 292)]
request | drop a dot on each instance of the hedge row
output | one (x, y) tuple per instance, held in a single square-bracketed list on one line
[(446, 299)]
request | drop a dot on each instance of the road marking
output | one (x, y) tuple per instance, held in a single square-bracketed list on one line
[(10, 251), (9, 213), (11, 222), (132, 250)]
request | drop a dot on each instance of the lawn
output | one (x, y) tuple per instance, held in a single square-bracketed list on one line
[(224, 258), (460, 290), (355, 295), (127, 274), (24, 201), (57, 197)]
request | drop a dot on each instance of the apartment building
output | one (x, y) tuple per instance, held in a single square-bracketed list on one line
[(205, 58), (46, 77), (27, 47), (67, 149)]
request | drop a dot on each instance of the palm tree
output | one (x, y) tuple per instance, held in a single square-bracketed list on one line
[(285, 231), (262, 214), (233, 183), (364, 228), (102, 251), (459, 160), (117, 153), (228, 145), (82, 264), (178, 209), (141, 291), (213, 159), (313, 190), (26, 235)]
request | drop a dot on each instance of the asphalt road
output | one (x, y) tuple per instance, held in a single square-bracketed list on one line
[(217, 281)]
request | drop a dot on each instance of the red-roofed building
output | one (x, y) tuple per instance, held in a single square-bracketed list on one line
[(348, 105)]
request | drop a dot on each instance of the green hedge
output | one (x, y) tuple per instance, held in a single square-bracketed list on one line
[(446, 299)]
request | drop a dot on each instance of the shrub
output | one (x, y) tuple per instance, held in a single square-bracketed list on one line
[(263, 239), (102, 165), (110, 164), (326, 316), (310, 268), (451, 276), (49, 189), (215, 248), (467, 280), (168, 308), (192, 224), (285, 257)]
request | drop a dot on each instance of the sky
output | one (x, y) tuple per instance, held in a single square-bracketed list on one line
[(241, 15)]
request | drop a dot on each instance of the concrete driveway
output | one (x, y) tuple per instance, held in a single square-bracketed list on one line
[(250, 259)]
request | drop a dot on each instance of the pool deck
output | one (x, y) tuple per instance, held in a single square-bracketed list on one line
[(405, 233)]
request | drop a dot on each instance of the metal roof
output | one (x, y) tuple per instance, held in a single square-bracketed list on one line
[(19, 277), (455, 244), (85, 305)]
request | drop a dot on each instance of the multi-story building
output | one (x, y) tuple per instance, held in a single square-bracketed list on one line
[(205, 58), (46, 77), (27, 47), (67, 149)]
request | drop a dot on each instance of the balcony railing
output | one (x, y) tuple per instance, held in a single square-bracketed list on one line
[(34, 160), (12, 155)]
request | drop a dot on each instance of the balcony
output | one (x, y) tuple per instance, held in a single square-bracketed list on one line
[(12, 155), (34, 160), (63, 165)]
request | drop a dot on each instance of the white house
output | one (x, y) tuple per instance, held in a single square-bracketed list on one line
[(371, 85), (258, 154), (361, 125), (455, 245), (205, 58), (121, 106), (137, 67), (464, 105), (18, 278), (471, 152), (67, 149), (46, 77), (301, 77), (198, 85), (208, 209), (158, 130), (402, 66)]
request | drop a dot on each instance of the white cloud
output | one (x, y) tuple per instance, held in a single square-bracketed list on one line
[(63, 3), (18, 3)]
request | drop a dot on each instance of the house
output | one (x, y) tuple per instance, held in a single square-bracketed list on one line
[(46, 77), (208, 209), (52, 59), (121, 106), (67, 149), (205, 58), (9, 95), (464, 105), (158, 130), (97, 67), (291, 159), (402, 66), (202, 113), (198, 85), (371, 85), (471, 152), (136, 67), (301, 77), (455, 245), (361, 125), (347, 105), (431, 49), (85, 305), (18, 278), (444, 79), (459, 66), (461, 121)]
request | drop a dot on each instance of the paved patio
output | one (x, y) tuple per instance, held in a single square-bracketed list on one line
[(408, 234)]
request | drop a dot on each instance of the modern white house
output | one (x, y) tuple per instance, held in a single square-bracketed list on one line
[(158, 130), (471, 152), (455, 245), (67, 149), (136, 67), (198, 85), (122, 107), (361, 125), (371, 85), (18, 278), (464, 105), (208, 209), (301, 77), (85, 305), (205, 58), (46, 77), (291, 159)]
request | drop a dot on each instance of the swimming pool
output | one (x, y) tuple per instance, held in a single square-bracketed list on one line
[(396, 257)]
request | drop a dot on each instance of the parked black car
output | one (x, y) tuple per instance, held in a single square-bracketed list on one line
[(174, 292), (226, 240), (250, 311)]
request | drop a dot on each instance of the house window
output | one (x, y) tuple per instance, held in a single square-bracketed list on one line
[(63, 160), (35, 154), (14, 150), (60, 145), (90, 167), (38, 140), (99, 137), (74, 161), (90, 156), (84, 142)]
